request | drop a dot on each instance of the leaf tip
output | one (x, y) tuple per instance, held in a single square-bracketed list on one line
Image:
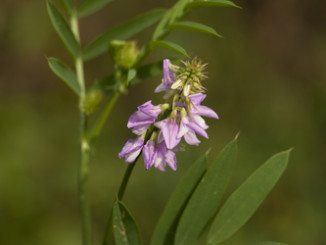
[(237, 136)]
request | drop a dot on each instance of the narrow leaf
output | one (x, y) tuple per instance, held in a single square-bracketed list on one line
[(170, 45), (68, 4), (88, 7), (125, 230), (178, 10), (126, 30), (65, 73), (173, 14), (213, 3), (207, 196), (194, 26), (63, 29), (165, 228), (161, 27), (244, 201)]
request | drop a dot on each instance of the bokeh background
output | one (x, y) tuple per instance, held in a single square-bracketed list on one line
[(266, 79)]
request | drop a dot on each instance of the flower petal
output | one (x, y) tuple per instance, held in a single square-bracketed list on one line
[(171, 160), (149, 154), (168, 77), (204, 111), (191, 138), (131, 149), (170, 129), (196, 99), (149, 109)]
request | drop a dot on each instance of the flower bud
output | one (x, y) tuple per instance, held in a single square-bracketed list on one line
[(177, 84), (165, 106), (92, 100), (124, 53), (186, 90)]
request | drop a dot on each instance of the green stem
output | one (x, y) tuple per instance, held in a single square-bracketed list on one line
[(99, 124), (83, 172), (125, 180), (120, 195)]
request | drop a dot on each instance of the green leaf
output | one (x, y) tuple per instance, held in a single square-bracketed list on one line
[(170, 45), (213, 3), (161, 27), (125, 230), (88, 7), (194, 26), (126, 30), (244, 201), (63, 30), (178, 10), (65, 73), (132, 73), (207, 196), (165, 228), (68, 4), (173, 14)]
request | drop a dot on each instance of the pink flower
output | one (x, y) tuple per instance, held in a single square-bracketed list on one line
[(144, 117), (131, 149)]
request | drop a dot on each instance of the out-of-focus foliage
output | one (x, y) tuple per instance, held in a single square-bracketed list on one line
[(266, 79)]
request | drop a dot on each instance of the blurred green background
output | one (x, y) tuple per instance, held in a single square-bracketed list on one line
[(266, 79)]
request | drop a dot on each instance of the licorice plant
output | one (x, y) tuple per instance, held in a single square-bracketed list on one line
[(159, 130)]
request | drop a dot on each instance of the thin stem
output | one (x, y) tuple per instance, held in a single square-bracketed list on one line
[(83, 172), (125, 180), (99, 124), (120, 195)]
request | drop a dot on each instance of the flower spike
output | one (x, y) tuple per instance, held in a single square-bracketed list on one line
[(161, 128)]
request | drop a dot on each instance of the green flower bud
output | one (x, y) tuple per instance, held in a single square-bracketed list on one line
[(92, 100), (124, 53), (190, 76)]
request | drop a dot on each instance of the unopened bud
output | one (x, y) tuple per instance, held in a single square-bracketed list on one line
[(124, 53), (183, 112), (186, 90), (177, 84), (92, 100), (165, 106)]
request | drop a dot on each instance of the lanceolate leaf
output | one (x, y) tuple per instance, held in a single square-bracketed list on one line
[(125, 230), (213, 3), (175, 13), (88, 7), (244, 201), (65, 73), (206, 199), (68, 4), (194, 26), (63, 29), (166, 226), (178, 10), (170, 45), (101, 44), (161, 27)]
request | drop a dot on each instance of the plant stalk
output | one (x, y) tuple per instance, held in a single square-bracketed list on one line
[(99, 124), (125, 180), (83, 172)]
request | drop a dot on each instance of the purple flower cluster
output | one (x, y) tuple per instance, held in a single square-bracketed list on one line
[(161, 128)]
